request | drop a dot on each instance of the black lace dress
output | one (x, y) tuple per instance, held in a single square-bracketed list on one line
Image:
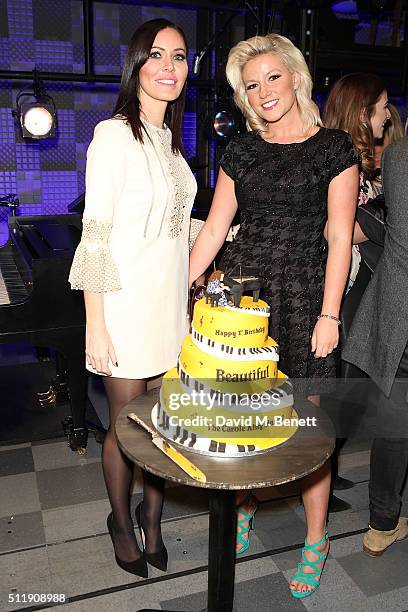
[(281, 191)]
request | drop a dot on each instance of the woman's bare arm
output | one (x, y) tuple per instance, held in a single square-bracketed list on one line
[(342, 201), (358, 234)]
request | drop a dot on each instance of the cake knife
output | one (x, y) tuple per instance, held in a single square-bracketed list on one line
[(169, 450)]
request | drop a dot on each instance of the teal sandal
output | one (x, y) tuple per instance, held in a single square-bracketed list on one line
[(242, 530), (313, 578)]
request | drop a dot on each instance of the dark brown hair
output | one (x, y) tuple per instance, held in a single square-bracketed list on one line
[(349, 96), (128, 103)]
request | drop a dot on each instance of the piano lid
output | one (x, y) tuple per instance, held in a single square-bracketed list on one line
[(77, 205), (46, 238)]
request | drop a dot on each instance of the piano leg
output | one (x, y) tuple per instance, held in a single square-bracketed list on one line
[(73, 352), (60, 382), (70, 343)]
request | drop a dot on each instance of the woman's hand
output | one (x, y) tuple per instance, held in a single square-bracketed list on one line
[(99, 349), (325, 337), (197, 282), (200, 281)]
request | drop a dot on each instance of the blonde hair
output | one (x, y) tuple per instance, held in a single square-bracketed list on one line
[(294, 61)]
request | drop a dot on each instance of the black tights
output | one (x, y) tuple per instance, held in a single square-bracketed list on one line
[(118, 473)]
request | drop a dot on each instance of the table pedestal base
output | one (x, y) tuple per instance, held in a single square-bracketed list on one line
[(221, 552)]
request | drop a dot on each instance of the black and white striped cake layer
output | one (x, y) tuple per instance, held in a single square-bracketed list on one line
[(201, 445), (237, 402), (225, 351)]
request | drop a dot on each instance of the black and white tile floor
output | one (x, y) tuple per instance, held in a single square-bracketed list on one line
[(53, 540)]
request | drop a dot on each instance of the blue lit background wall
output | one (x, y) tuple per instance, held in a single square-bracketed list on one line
[(48, 34)]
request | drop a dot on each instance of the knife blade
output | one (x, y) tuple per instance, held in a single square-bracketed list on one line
[(172, 453)]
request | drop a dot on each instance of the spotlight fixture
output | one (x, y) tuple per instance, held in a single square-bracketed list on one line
[(36, 111)]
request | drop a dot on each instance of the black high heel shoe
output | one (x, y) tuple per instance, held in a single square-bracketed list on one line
[(158, 559), (138, 566)]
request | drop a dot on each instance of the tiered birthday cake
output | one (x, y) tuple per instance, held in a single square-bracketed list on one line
[(227, 397)]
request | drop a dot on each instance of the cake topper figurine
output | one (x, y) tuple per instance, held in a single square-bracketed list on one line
[(215, 293), (223, 289)]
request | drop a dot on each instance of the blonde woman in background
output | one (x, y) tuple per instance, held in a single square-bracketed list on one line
[(288, 176)]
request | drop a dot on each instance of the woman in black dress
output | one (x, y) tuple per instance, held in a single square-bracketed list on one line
[(288, 176)]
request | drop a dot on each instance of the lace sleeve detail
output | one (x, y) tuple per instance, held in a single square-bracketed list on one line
[(93, 268)]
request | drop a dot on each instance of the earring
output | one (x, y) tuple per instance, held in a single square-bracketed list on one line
[(295, 88)]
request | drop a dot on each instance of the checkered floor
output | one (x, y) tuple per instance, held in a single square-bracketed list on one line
[(53, 510)]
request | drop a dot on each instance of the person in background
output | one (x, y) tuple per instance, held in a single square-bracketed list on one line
[(393, 131), (358, 104), (133, 258), (378, 345), (288, 176), (371, 216)]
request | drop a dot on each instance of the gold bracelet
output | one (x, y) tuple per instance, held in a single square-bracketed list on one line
[(332, 317)]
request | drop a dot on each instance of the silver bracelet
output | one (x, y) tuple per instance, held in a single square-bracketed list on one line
[(332, 317)]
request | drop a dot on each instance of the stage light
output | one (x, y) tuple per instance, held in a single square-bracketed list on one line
[(224, 121), (36, 120), (224, 124), (37, 116)]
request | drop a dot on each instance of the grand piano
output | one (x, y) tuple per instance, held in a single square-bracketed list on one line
[(38, 305)]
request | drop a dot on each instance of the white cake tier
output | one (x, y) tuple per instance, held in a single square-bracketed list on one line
[(270, 351)]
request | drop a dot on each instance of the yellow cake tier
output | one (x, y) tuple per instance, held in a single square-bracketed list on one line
[(246, 326), (253, 375), (281, 394), (235, 427)]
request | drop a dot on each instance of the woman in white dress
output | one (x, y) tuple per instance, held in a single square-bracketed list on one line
[(132, 262)]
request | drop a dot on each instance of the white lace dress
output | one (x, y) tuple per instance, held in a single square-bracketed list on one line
[(134, 245)]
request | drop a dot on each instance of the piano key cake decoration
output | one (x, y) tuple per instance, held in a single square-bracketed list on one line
[(226, 397)]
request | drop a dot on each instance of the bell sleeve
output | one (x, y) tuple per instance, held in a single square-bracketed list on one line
[(93, 267)]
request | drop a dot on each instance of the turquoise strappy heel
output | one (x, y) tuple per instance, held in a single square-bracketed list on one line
[(313, 578), (242, 530)]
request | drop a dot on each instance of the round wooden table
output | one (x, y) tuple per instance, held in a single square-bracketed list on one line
[(304, 452)]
